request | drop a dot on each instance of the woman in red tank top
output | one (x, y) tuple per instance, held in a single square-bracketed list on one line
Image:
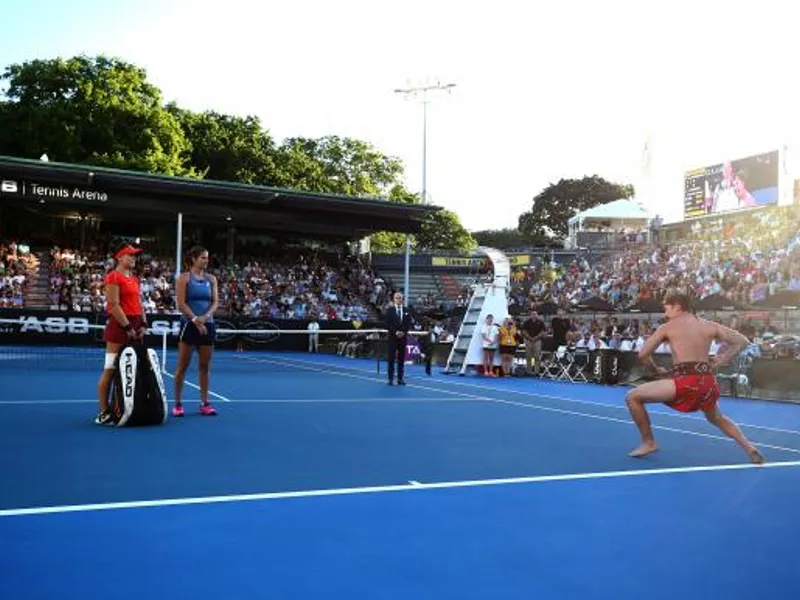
[(125, 319)]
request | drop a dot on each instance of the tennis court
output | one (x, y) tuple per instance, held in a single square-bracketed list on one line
[(317, 479)]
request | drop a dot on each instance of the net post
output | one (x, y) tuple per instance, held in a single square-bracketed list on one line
[(164, 352), (378, 357)]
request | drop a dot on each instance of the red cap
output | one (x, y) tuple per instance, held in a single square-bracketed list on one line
[(127, 250)]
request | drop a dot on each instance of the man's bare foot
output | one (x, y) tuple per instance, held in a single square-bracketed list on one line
[(643, 450), (755, 456)]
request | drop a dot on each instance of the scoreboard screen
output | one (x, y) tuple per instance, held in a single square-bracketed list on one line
[(731, 185)]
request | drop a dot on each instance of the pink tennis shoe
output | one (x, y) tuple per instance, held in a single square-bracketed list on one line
[(205, 409)]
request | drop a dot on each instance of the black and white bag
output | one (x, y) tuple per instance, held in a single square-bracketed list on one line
[(137, 395)]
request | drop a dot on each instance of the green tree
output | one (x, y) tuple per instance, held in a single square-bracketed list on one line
[(502, 239), (557, 203), (229, 148), (443, 231), (388, 242), (338, 165), (90, 110), (103, 111), (298, 170), (400, 194)]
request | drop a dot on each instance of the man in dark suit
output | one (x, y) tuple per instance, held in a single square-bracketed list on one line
[(398, 322)]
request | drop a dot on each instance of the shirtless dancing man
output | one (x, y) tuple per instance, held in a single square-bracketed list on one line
[(693, 385)]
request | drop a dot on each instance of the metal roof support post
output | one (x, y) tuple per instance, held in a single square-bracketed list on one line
[(408, 259), (179, 246)]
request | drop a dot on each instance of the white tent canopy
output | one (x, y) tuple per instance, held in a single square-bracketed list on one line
[(616, 216), (616, 211)]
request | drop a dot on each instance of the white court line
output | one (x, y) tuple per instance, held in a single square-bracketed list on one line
[(197, 387), (417, 486), (377, 400), (655, 408), (626, 422), (533, 406), (30, 402)]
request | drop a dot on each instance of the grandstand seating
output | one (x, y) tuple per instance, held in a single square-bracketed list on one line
[(18, 265), (750, 259), (37, 292), (290, 286), (743, 261), (465, 283), (421, 286), (451, 287)]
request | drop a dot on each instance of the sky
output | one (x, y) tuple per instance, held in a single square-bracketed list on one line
[(544, 91)]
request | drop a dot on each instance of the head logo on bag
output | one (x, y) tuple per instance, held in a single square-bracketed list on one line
[(139, 397), (130, 378), (128, 363)]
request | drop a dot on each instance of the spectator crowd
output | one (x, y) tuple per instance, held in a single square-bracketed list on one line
[(16, 265), (743, 261), (76, 281), (301, 285), (294, 285)]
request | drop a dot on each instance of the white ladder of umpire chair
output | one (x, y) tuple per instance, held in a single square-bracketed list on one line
[(457, 361), (487, 298)]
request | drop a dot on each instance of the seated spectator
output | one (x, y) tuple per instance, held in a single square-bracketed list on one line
[(17, 265), (746, 259), (290, 286)]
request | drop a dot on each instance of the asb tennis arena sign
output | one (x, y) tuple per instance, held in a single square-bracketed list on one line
[(29, 189)]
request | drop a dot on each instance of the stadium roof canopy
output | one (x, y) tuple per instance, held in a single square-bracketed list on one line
[(617, 210), (131, 194)]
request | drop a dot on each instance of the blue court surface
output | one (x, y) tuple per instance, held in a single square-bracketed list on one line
[(318, 480)]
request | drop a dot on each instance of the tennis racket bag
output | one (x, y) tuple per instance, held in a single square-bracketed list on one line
[(137, 391), (606, 366)]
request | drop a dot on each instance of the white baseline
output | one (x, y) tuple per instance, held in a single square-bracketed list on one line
[(408, 487)]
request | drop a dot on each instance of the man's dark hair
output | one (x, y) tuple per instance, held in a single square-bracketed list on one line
[(679, 299)]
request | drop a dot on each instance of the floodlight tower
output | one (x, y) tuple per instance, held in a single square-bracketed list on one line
[(422, 91)]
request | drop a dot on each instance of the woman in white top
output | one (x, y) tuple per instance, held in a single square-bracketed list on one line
[(489, 334)]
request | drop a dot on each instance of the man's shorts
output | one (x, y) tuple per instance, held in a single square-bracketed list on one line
[(115, 334), (191, 335), (696, 387)]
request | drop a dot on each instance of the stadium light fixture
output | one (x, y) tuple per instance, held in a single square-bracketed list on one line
[(413, 92)]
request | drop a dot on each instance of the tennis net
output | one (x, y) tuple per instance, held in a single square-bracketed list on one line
[(58, 346)]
